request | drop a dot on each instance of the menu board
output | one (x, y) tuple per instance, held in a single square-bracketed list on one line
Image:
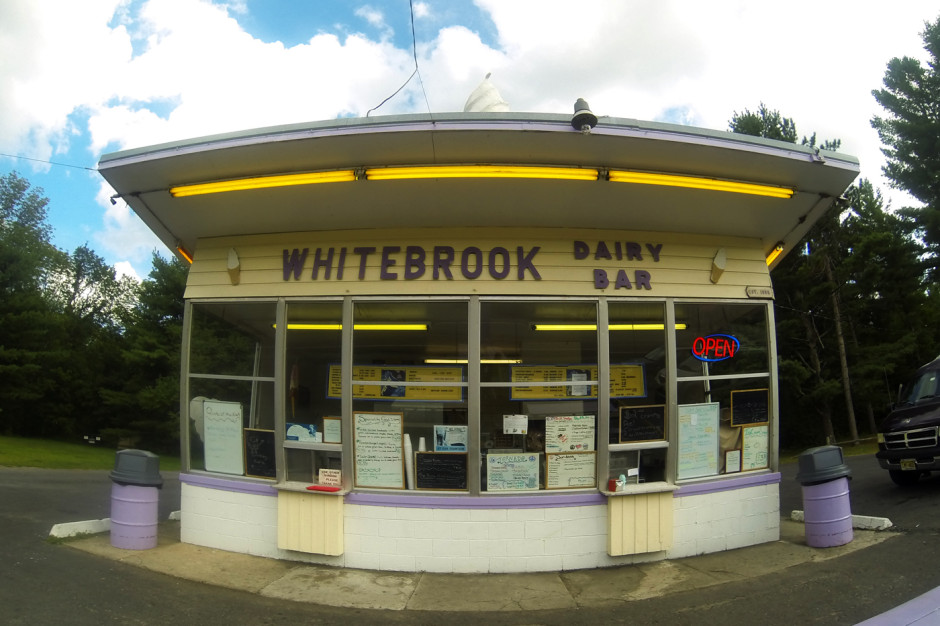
[(222, 428), (642, 423), (389, 375), (441, 470), (259, 453), (570, 471), (626, 381), (698, 440), (512, 472), (569, 433), (754, 441), (332, 430), (379, 455), (749, 406)]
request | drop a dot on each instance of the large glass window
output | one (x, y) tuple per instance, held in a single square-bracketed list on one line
[(481, 395), (231, 389), (409, 387), (723, 388), (639, 437), (313, 428), (538, 396)]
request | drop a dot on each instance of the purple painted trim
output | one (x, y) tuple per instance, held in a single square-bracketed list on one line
[(226, 484), (473, 502), (730, 484), (912, 612)]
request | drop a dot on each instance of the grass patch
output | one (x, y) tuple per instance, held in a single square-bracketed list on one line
[(49, 454), (866, 446)]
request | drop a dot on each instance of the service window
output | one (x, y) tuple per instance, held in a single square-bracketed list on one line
[(409, 388), (231, 389), (638, 434), (725, 412), (313, 425), (538, 395)]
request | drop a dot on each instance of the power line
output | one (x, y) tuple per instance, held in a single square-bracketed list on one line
[(414, 52), (78, 167)]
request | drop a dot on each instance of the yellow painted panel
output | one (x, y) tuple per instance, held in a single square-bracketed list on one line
[(639, 523), (566, 261), (310, 522)]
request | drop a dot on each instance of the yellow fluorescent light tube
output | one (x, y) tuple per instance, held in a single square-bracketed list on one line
[(263, 182), (301, 326), (652, 326), (693, 182), (481, 171)]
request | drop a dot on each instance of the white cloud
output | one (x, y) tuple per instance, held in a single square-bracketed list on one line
[(123, 268), (152, 76)]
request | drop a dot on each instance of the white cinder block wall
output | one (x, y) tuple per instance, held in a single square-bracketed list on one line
[(479, 540), (724, 520)]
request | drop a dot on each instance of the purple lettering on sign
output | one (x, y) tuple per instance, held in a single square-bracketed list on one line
[(504, 254), (581, 250), (443, 259), (642, 280), (600, 279), (622, 281), (414, 262), (388, 262), (319, 262), (363, 258), (654, 251), (465, 262), (294, 263), (524, 262), (634, 251), (602, 252), (342, 264)]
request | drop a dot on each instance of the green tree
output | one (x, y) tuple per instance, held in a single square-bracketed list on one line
[(31, 357), (94, 306), (145, 403), (910, 133)]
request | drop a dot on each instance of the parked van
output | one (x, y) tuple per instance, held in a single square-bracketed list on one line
[(908, 445)]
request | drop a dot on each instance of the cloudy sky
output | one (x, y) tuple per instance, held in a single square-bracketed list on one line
[(83, 78)]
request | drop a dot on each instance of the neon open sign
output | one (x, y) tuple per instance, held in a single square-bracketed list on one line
[(715, 348)]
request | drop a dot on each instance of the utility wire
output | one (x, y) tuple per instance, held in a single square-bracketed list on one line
[(78, 167), (414, 51)]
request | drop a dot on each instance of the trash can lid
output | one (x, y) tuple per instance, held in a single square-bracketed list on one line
[(822, 464), (137, 467)]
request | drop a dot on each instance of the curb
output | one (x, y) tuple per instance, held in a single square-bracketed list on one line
[(862, 522)]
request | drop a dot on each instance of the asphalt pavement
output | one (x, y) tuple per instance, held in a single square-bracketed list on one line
[(784, 582)]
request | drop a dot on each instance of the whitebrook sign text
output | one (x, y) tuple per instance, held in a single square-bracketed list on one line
[(446, 262)]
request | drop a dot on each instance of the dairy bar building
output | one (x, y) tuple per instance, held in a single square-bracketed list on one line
[(479, 342)]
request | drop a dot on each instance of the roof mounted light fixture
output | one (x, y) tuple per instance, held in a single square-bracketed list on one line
[(263, 182), (481, 171), (696, 182), (777, 251), (583, 119)]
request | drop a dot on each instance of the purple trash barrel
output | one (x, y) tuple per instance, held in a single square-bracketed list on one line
[(827, 510), (134, 517), (135, 500), (827, 513)]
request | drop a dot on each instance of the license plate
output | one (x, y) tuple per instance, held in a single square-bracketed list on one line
[(908, 464)]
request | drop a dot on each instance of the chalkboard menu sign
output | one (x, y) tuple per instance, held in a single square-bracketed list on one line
[(259, 453), (642, 423), (441, 470), (749, 407)]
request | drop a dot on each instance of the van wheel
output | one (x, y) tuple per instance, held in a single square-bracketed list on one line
[(904, 479)]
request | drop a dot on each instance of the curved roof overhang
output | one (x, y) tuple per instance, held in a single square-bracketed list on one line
[(143, 178)]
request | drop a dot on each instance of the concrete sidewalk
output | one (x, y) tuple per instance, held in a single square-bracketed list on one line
[(363, 589)]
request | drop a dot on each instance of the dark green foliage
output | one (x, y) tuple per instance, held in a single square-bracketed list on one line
[(82, 351), (910, 133), (145, 401)]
